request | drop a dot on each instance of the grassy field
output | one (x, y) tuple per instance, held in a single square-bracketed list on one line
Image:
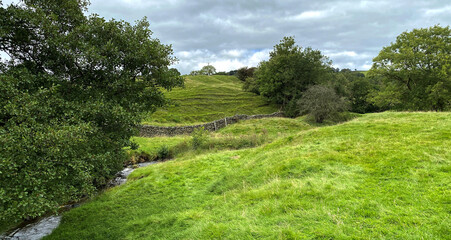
[(245, 134), (379, 176), (208, 98)]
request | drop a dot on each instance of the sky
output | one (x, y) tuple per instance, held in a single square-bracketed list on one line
[(230, 34)]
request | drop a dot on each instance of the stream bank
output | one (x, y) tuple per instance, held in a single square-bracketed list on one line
[(38, 228)]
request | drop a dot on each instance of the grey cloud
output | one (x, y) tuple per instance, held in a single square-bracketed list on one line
[(336, 27)]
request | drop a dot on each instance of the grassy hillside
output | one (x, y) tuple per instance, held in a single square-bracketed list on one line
[(208, 98), (245, 134), (378, 176)]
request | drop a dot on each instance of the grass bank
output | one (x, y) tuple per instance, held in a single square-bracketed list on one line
[(383, 175)]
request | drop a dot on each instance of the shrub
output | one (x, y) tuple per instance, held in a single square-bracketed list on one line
[(245, 72), (321, 103), (200, 137), (250, 85), (163, 152)]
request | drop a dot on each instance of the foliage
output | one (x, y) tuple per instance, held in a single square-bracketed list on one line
[(388, 97), (163, 152), (417, 68), (245, 72), (290, 71), (321, 103), (200, 137), (383, 175), (355, 87), (206, 70), (72, 95), (250, 85), (360, 90)]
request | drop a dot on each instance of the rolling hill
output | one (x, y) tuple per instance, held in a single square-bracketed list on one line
[(208, 98), (378, 176)]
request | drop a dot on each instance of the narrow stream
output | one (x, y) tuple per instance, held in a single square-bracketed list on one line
[(41, 227)]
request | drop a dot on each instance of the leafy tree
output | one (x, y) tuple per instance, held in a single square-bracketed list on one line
[(321, 103), (360, 90), (208, 70), (232, 72), (245, 72), (355, 87), (290, 71), (194, 73), (221, 73), (72, 96), (250, 85), (417, 70)]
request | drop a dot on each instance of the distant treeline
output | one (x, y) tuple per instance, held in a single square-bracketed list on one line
[(413, 73)]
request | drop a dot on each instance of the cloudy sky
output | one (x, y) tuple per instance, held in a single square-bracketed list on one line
[(230, 34)]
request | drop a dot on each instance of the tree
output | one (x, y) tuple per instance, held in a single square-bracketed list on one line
[(208, 70), (355, 87), (289, 71), (321, 103), (417, 68), (194, 73), (72, 96), (245, 72)]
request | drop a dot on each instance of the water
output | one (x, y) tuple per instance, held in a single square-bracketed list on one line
[(44, 226), (36, 230)]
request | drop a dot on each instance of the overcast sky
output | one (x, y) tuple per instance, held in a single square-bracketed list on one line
[(230, 34)]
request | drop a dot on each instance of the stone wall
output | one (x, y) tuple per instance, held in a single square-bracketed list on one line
[(151, 131)]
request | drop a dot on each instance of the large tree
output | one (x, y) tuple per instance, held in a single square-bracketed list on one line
[(71, 97), (417, 70), (208, 70), (289, 71)]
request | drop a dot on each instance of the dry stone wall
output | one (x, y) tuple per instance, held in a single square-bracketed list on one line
[(151, 131)]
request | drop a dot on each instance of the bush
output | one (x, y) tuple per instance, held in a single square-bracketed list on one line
[(321, 103), (245, 72), (200, 137), (250, 85), (163, 152), (292, 109)]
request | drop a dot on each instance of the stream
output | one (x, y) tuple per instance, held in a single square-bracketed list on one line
[(38, 228)]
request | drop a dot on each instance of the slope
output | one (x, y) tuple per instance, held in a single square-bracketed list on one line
[(208, 98), (381, 175)]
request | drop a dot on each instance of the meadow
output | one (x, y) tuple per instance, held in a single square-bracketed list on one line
[(383, 175), (208, 98)]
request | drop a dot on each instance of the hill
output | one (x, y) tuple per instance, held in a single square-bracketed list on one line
[(208, 98), (380, 175)]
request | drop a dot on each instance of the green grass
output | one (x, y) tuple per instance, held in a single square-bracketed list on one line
[(379, 176), (245, 134), (208, 98)]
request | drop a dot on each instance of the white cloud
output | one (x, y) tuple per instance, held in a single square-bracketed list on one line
[(346, 54), (308, 15), (257, 57), (226, 61), (438, 11), (233, 53), (366, 66)]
